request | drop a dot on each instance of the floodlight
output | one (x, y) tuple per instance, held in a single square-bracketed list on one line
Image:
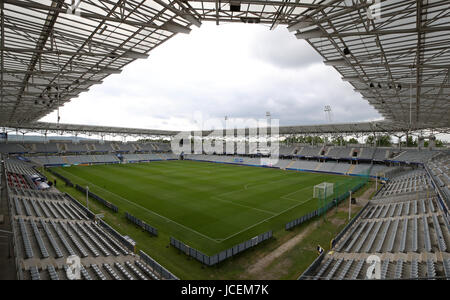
[(336, 63), (300, 25), (311, 34)]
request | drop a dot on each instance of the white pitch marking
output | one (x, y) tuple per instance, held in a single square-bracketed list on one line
[(265, 220), (231, 202), (135, 204), (192, 230), (247, 185), (287, 198)]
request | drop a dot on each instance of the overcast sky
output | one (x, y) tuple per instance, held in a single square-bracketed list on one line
[(234, 70)]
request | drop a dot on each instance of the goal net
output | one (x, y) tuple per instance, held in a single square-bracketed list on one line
[(323, 190)]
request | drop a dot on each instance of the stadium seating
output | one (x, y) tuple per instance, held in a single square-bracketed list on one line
[(367, 153), (411, 181), (403, 223), (339, 269), (19, 167), (125, 147), (414, 155), (286, 150), (162, 147), (74, 159), (147, 147), (50, 147), (339, 152), (310, 151), (101, 271), (75, 148), (302, 150), (103, 147), (51, 226), (381, 154)]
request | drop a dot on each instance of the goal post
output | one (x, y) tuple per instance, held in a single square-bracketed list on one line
[(323, 190)]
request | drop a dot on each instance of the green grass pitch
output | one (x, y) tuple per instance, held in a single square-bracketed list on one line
[(208, 206)]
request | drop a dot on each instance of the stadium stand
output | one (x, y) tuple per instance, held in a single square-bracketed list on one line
[(75, 148), (50, 147), (19, 167), (414, 155), (405, 225), (103, 147), (440, 169), (409, 214), (339, 152), (146, 157), (285, 150), (74, 159), (66, 230), (146, 147), (161, 147), (49, 226), (12, 148), (306, 165), (380, 154), (367, 153), (310, 151), (125, 147)]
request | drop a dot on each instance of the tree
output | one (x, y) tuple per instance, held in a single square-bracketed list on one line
[(338, 140), (352, 141), (384, 141), (370, 140), (438, 143), (317, 140), (381, 141), (411, 142)]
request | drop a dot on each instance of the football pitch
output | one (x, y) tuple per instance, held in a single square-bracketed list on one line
[(208, 206)]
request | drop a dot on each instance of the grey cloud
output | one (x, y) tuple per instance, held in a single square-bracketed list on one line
[(158, 93), (281, 48)]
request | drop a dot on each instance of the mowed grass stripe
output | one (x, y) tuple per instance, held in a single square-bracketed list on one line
[(205, 202), (212, 219)]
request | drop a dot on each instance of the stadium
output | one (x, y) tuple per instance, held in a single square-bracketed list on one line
[(306, 202)]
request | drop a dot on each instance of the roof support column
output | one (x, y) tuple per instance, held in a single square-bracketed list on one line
[(2, 45), (217, 11), (421, 18)]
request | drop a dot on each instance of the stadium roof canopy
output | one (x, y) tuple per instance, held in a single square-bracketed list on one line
[(340, 129), (395, 53)]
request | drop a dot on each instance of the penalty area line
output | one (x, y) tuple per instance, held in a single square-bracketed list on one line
[(265, 220)]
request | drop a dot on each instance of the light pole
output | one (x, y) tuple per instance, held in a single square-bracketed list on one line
[(350, 206), (87, 197)]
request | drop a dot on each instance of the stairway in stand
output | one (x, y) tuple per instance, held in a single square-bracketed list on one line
[(319, 164), (290, 164), (350, 171)]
